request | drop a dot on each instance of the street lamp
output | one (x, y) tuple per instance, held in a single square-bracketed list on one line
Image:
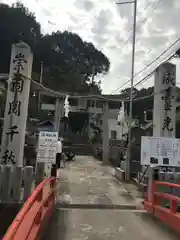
[(128, 172)]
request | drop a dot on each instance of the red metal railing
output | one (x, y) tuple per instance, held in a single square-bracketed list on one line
[(33, 216), (168, 215)]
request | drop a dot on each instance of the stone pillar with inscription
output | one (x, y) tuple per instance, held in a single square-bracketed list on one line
[(14, 129), (164, 112), (105, 134), (58, 114)]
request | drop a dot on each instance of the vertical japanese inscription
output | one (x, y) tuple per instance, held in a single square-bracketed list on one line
[(14, 107), (17, 83), (169, 80), (16, 87), (9, 157), (19, 61), (12, 131)]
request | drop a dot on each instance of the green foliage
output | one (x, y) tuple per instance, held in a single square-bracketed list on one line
[(178, 53), (2, 101), (69, 62), (144, 104), (16, 24)]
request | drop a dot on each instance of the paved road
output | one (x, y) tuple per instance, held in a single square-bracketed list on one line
[(93, 206)]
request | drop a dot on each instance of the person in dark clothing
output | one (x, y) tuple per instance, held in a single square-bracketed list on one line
[(58, 153)]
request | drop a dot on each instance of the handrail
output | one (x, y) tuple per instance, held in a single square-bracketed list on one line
[(168, 184), (168, 215), (34, 211), (167, 196)]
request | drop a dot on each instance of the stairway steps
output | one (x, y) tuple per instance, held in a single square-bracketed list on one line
[(80, 149)]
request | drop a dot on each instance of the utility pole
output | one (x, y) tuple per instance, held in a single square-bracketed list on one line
[(40, 81), (128, 170), (105, 136)]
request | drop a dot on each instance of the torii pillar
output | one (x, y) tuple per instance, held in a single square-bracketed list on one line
[(58, 114), (105, 135)]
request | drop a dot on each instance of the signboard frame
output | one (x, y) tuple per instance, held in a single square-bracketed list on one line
[(46, 152), (162, 151)]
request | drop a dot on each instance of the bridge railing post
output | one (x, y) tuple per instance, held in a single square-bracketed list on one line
[(6, 184), (17, 183), (53, 170), (28, 179), (40, 171), (153, 175)]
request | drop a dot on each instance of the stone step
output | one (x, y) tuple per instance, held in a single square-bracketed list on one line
[(79, 149)]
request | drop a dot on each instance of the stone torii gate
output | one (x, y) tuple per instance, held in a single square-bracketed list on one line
[(21, 54), (59, 112)]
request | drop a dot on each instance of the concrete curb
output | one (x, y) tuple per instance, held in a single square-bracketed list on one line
[(96, 206)]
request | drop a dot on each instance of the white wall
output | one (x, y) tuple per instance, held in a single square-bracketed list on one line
[(119, 129)]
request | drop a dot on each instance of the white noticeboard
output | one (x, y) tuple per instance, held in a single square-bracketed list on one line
[(160, 151), (47, 147)]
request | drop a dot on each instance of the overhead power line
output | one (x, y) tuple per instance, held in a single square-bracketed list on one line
[(166, 59), (150, 74), (149, 64), (144, 21), (142, 24), (63, 94), (144, 79), (100, 97)]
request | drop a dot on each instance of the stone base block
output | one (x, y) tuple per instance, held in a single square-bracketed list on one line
[(120, 174)]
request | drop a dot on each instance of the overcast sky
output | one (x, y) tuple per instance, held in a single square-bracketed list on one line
[(108, 26)]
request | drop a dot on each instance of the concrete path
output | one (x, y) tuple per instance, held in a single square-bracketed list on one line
[(86, 181), (92, 205)]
